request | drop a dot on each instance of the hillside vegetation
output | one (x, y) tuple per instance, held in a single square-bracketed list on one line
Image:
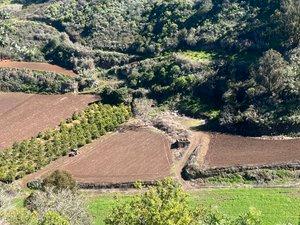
[(235, 63)]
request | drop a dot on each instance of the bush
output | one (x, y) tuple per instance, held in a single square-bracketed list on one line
[(35, 185), (21, 217), (22, 80), (70, 205), (118, 96), (163, 204), (53, 218), (24, 216), (60, 180)]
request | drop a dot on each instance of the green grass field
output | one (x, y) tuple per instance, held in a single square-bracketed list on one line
[(277, 206)]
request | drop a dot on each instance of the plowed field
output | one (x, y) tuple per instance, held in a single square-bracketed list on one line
[(227, 150), (25, 115), (36, 66), (141, 155)]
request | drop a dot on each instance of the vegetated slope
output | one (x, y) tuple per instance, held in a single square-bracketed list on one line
[(32, 81), (251, 85), (46, 67), (228, 151), (139, 155), (23, 116)]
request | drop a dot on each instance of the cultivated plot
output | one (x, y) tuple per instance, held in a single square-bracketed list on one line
[(228, 150), (141, 155), (36, 66), (23, 116)]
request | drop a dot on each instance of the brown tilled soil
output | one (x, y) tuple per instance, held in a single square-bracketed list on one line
[(141, 155), (23, 116), (36, 66), (227, 151)]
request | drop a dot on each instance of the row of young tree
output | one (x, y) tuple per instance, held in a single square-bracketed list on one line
[(31, 155)]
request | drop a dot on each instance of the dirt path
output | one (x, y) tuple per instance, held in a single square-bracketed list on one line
[(45, 67), (198, 140)]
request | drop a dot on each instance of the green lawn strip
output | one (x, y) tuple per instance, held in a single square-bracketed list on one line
[(276, 205), (100, 206)]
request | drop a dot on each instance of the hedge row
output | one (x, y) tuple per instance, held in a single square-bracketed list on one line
[(22, 80), (31, 155)]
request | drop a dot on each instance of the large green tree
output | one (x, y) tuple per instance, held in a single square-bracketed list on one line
[(167, 204)]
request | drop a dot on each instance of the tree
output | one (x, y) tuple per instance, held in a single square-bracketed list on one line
[(289, 21), (24, 216), (60, 180), (21, 217), (164, 204), (271, 73), (53, 218), (69, 204)]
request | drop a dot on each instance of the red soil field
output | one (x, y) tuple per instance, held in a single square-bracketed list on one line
[(228, 150), (141, 155), (23, 116), (36, 66)]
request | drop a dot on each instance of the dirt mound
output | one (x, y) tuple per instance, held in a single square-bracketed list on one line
[(36, 66), (23, 116), (141, 155), (228, 150)]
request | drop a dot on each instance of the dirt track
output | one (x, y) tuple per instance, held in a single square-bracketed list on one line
[(115, 158), (36, 66), (228, 150), (198, 140), (23, 116)]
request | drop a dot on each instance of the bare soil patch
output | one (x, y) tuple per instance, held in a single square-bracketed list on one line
[(135, 155), (23, 116), (228, 150), (36, 66)]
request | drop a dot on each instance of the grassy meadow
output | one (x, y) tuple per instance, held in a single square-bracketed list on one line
[(277, 205)]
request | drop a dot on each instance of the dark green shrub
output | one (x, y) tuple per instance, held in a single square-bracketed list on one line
[(59, 180), (35, 185)]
